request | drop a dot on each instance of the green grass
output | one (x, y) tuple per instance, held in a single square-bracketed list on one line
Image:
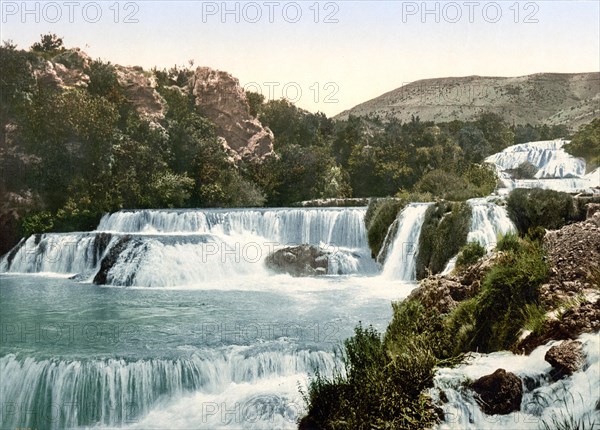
[(470, 254)]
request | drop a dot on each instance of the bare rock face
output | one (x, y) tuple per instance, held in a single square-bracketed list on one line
[(220, 98), (302, 260), (499, 393), (140, 90), (565, 358)]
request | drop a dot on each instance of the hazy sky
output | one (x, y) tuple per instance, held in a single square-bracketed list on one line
[(328, 56)]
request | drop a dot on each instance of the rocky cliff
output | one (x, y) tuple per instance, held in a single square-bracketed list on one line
[(552, 98), (218, 96)]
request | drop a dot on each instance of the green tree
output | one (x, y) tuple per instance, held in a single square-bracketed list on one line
[(586, 144), (49, 43)]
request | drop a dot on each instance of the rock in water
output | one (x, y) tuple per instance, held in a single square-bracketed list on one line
[(302, 260), (565, 358), (499, 393)]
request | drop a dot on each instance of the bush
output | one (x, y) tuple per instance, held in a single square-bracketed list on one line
[(444, 231), (509, 242), (493, 319), (536, 207), (381, 213), (470, 254), (385, 381)]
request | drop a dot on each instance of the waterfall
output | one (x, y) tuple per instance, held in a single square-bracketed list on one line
[(544, 400), (163, 248), (488, 221), (59, 393), (402, 256), (556, 168), (334, 226)]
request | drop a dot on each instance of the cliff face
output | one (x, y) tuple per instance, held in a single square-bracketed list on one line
[(218, 96), (552, 98)]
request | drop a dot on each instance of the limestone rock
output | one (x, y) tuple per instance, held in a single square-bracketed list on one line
[(302, 260), (565, 358), (140, 90), (220, 98), (499, 393)]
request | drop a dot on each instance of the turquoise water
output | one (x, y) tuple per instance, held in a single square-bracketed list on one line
[(233, 354)]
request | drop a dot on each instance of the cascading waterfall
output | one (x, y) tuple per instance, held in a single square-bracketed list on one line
[(402, 256), (556, 168), (58, 393), (157, 248), (488, 222), (573, 399)]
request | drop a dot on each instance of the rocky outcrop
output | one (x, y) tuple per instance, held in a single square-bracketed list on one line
[(140, 91), (574, 257), (581, 318), (110, 259), (499, 393), (565, 358), (220, 98), (444, 292), (302, 260)]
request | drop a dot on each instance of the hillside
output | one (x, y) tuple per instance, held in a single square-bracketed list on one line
[(552, 98)]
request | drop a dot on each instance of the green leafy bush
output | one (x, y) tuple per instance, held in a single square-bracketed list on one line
[(469, 254), (509, 242), (381, 213), (536, 207), (493, 319), (385, 380), (444, 231), (586, 144)]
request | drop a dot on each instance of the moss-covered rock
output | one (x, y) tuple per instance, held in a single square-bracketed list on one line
[(444, 232), (380, 215)]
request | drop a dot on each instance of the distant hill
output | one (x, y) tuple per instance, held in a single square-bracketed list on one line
[(552, 98)]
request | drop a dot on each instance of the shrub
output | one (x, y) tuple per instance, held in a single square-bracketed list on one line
[(536, 207), (385, 380), (381, 213), (444, 231), (507, 288), (469, 254), (40, 222), (509, 242)]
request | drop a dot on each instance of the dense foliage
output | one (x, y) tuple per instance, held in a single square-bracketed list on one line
[(586, 144), (444, 232), (385, 378), (550, 209)]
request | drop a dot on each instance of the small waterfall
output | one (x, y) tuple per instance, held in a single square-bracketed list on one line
[(58, 394), (488, 222), (68, 253), (544, 400), (402, 256)]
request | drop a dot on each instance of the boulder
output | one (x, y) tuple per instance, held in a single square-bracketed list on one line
[(499, 393), (565, 358), (220, 98), (302, 260)]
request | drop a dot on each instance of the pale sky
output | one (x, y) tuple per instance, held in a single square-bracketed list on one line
[(363, 50)]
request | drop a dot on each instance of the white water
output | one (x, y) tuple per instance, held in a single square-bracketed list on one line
[(557, 169), (402, 257), (543, 399), (488, 222), (117, 391), (166, 248)]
